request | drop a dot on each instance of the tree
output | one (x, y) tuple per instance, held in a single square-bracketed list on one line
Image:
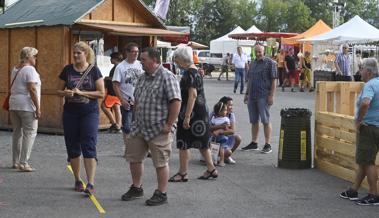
[(272, 15), (299, 17), (321, 9)]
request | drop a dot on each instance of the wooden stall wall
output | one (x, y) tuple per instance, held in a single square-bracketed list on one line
[(335, 131), (4, 74), (122, 11)]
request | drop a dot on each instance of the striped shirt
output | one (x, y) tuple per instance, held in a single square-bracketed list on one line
[(343, 62), (261, 74), (153, 95)]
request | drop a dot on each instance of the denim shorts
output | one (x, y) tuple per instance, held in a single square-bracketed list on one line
[(80, 133), (259, 109), (127, 119)]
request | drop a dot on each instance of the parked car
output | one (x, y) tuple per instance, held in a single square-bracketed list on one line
[(205, 57)]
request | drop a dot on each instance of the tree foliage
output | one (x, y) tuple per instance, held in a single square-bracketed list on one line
[(210, 19)]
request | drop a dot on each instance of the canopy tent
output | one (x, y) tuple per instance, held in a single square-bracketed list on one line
[(356, 30), (224, 44), (317, 29), (253, 29), (261, 36)]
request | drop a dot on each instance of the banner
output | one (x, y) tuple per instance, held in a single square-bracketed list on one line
[(161, 8)]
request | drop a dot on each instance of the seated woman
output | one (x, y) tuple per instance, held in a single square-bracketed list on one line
[(233, 140)]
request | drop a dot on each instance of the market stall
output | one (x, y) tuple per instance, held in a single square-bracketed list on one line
[(53, 26)]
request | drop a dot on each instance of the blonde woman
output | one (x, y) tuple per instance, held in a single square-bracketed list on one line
[(24, 107), (81, 112)]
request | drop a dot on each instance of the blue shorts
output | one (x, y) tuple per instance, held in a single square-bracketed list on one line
[(80, 133), (127, 119), (259, 109)]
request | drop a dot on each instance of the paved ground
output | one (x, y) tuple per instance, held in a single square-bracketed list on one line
[(253, 187)]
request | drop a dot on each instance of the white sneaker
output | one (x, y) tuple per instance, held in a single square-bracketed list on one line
[(230, 160)]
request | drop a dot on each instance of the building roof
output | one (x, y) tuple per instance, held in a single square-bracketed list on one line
[(28, 13)]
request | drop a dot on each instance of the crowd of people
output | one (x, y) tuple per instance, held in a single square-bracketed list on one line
[(147, 103)]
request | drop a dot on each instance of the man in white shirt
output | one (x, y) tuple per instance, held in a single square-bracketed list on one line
[(124, 81), (240, 65)]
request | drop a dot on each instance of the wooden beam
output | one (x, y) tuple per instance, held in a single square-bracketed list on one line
[(334, 145), (114, 23)]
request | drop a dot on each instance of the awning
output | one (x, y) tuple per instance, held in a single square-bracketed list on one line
[(261, 36), (123, 29)]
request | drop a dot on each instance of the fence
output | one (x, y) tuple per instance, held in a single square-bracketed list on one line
[(335, 133)]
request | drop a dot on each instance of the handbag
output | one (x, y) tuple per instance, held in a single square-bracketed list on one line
[(215, 150), (6, 100), (80, 99)]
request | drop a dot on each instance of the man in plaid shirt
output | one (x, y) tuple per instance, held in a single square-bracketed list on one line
[(157, 105)]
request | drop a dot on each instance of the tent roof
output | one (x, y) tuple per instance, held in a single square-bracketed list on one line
[(28, 13), (253, 29), (317, 29), (226, 38), (356, 30)]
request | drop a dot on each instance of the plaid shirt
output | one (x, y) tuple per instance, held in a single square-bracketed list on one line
[(261, 74), (153, 95), (343, 62)]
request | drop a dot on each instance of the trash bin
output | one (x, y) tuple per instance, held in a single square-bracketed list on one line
[(295, 139)]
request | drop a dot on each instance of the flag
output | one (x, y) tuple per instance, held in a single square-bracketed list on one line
[(161, 8)]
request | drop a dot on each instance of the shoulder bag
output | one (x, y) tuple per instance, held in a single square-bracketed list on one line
[(79, 99)]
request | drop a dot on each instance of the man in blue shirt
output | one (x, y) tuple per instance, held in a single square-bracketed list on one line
[(260, 96), (367, 122)]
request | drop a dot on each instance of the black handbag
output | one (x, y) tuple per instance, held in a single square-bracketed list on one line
[(80, 99)]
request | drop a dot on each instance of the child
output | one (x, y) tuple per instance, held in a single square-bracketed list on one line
[(220, 128)]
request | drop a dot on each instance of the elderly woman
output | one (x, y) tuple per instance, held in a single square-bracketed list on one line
[(82, 85), (193, 122), (24, 107)]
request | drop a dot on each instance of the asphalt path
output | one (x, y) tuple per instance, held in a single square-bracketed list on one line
[(254, 187)]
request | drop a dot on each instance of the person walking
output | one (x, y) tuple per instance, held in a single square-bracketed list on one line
[(290, 67), (240, 65), (281, 70), (342, 64), (124, 83), (24, 108), (111, 103), (82, 85), (225, 66), (193, 123), (367, 123), (157, 105), (260, 97)]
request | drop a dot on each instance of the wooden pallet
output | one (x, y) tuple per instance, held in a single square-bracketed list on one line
[(335, 133)]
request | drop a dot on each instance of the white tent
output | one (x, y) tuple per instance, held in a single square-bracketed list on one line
[(224, 44), (253, 29), (356, 30)]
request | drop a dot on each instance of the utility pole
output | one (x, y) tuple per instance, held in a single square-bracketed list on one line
[(337, 8)]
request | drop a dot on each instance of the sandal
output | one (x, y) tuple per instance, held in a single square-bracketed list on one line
[(182, 178), (211, 174)]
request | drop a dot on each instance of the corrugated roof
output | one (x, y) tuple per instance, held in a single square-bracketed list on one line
[(27, 13)]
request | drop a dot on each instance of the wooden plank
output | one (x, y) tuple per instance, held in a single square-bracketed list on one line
[(338, 159), (331, 86), (352, 97), (4, 68), (20, 38), (338, 171), (345, 122), (344, 101), (123, 11), (103, 11), (336, 133), (321, 97), (335, 145)]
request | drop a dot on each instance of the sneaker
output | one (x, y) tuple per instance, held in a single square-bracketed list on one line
[(234, 91), (158, 198), (370, 199), (301, 90), (90, 190), (112, 128), (253, 146), (266, 149), (16, 166), (79, 186), (26, 168), (132, 194), (311, 89), (230, 160), (350, 194), (293, 90), (221, 164)]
